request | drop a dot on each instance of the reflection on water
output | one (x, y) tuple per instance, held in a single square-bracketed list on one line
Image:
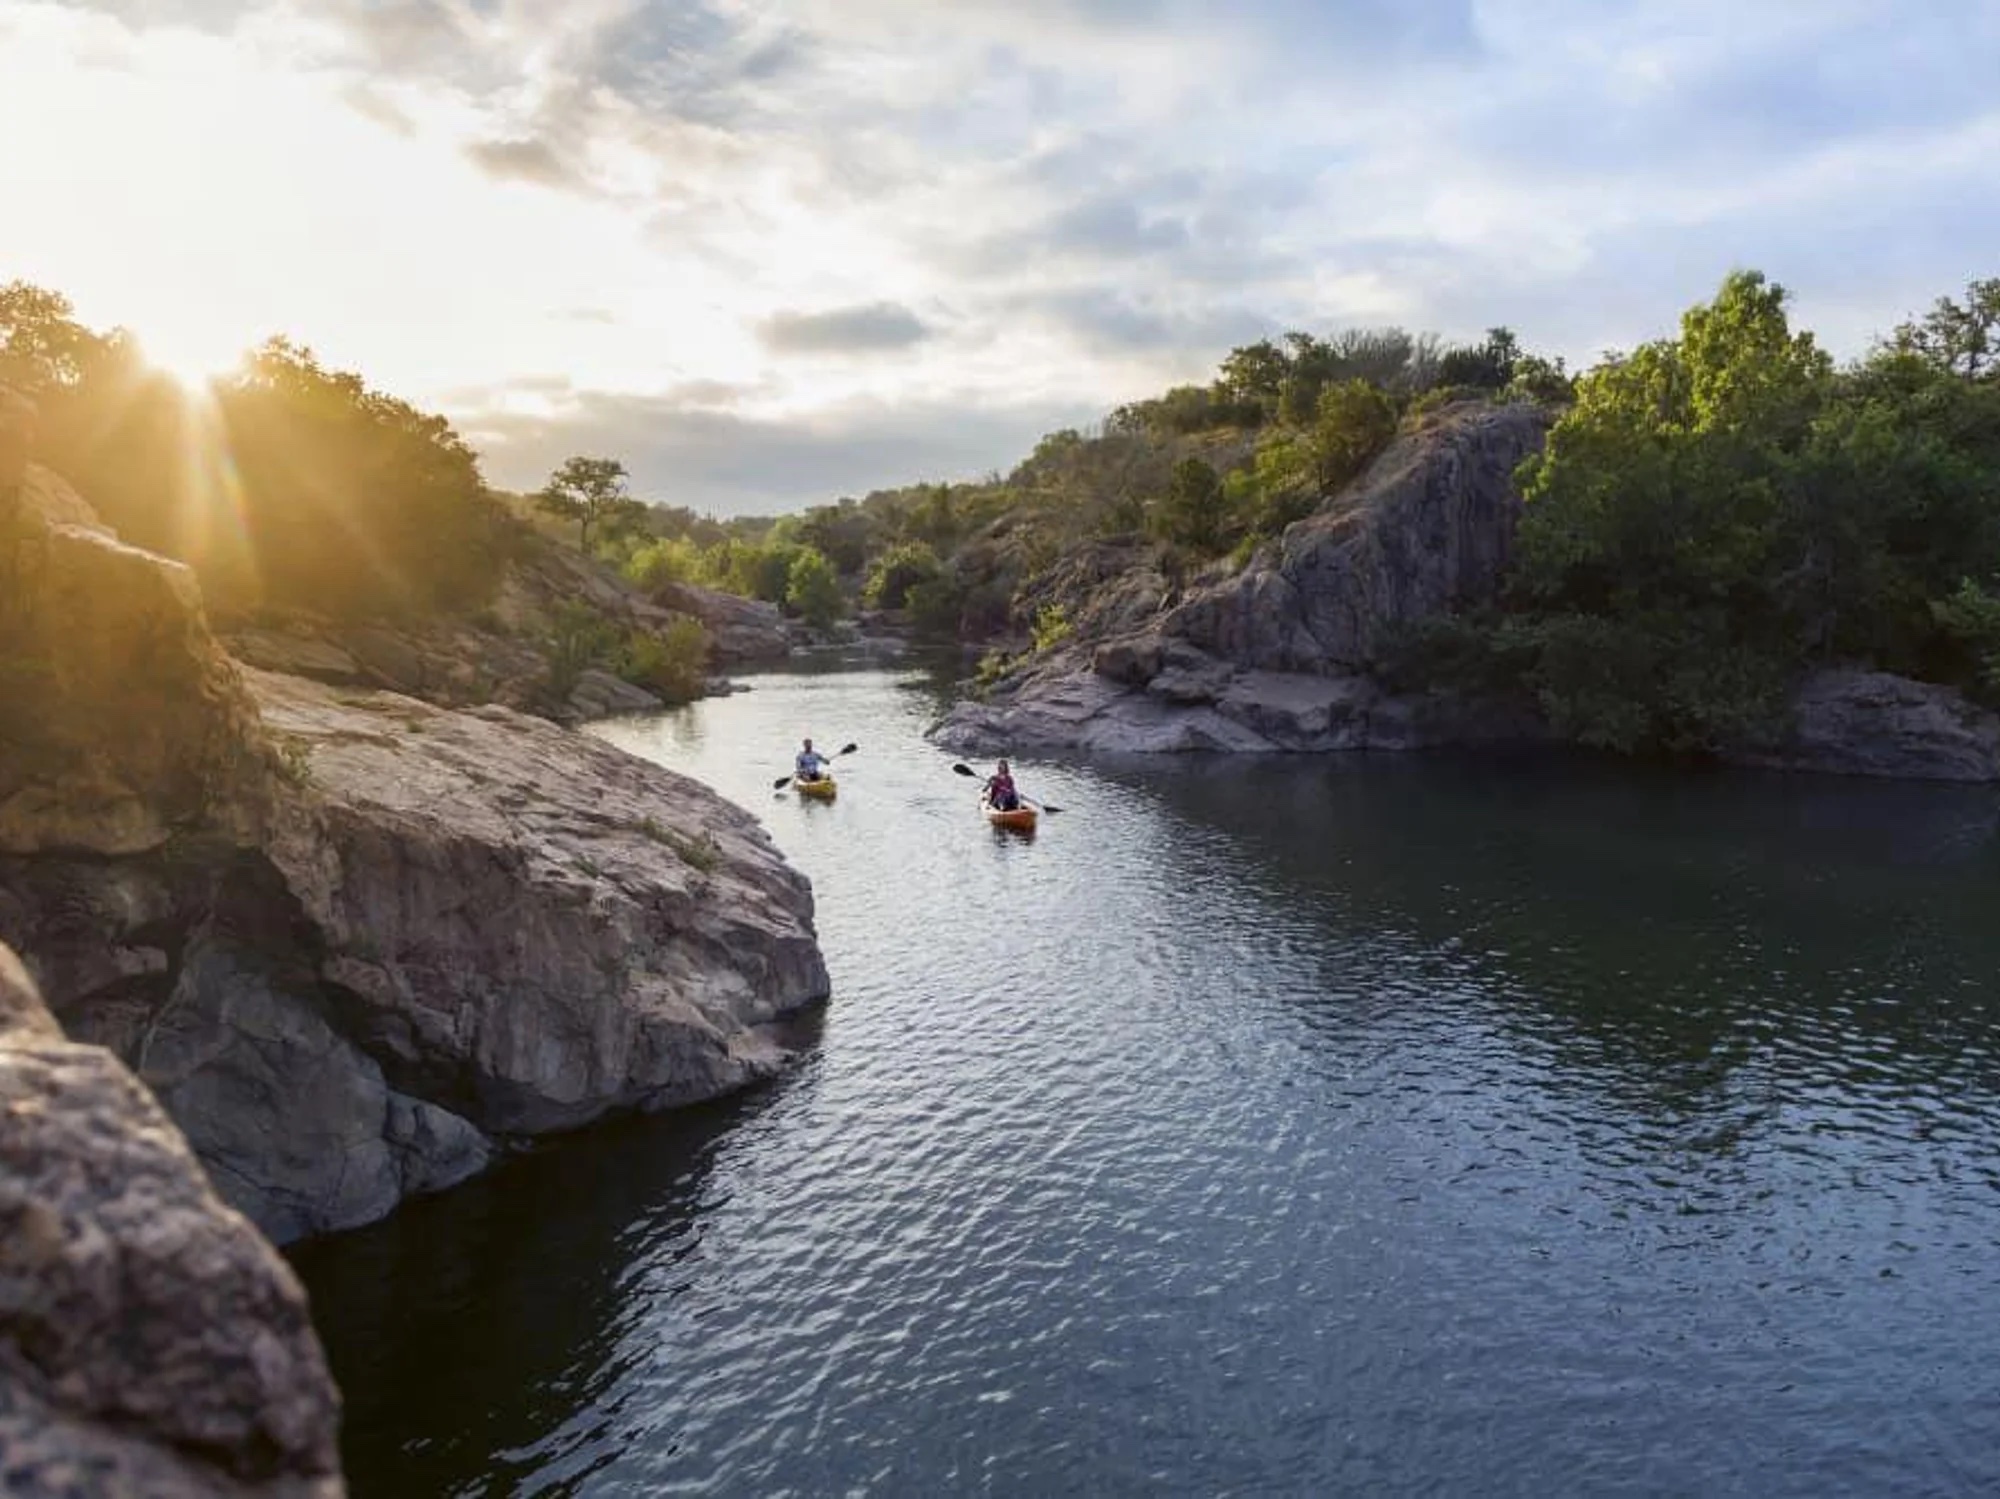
[(1383, 1125)]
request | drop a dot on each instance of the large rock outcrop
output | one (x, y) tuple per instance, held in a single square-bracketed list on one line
[(1282, 655), (740, 631), (151, 1343), (352, 940), (119, 719), (1277, 657), (504, 653), (1871, 723), (529, 926)]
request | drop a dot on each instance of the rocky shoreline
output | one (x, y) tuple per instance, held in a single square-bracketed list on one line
[(151, 1342), (352, 939), (1288, 655)]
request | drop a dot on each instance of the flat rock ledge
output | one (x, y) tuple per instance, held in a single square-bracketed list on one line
[(151, 1342), (1201, 706), (1843, 721)]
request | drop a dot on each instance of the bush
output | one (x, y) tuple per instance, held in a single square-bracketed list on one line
[(1194, 512), (935, 606), (659, 563), (1051, 627), (673, 663), (897, 572), (1354, 422), (813, 589), (1970, 620), (579, 639)]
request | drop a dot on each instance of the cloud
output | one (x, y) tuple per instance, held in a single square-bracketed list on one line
[(524, 160), (871, 328), (733, 462), (1053, 206)]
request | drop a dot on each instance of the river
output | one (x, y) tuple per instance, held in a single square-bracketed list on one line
[(1357, 1125)]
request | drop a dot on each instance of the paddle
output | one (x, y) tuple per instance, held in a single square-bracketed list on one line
[(845, 749), (967, 770)]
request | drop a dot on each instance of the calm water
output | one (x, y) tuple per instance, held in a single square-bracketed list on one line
[(1368, 1125)]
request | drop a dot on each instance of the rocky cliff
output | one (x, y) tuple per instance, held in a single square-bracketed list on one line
[(151, 1343), (1277, 656), (502, 654), (1281, 655), (352, 940)]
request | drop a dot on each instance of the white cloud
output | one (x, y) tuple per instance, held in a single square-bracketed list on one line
[(1038, 206)]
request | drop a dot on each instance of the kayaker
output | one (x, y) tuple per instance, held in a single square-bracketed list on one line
[(810, 765), (1000, 792)]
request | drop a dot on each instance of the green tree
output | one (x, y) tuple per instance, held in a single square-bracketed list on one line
[(589, 491), (897, 572), (42, 346), (1656, 524), (1483, 366), (1960, 338), (1194, 510), (1354, 422), (813, 589), (1255, 372)]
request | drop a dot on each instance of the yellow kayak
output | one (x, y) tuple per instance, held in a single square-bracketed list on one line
[(1020, 819), (823, 788)]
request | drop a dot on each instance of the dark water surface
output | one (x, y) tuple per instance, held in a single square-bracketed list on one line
[(1367, 1125)]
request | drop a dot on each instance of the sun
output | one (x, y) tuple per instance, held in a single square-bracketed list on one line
[(193, 355)]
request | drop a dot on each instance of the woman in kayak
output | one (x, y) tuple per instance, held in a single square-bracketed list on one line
[(1000, 792), (809, 766)]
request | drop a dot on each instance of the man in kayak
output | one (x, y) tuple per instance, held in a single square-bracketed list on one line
[(1000, 792), (809, 766)]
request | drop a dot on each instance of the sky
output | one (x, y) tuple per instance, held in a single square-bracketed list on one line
[(770, 252)]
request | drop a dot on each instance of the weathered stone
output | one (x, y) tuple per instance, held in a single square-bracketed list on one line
[(599, 694), (350, 937), (740, 631), (123, 720), (1868, 723), (150, 1342), (1429, 530), (299, 654), (534, 929), (1276, 656), (295, 1124)]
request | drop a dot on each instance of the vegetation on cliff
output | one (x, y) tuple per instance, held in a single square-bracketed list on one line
[(1720, 511), (294, 489)]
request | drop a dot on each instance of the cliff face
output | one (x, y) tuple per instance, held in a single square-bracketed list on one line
[(1276, 657), (150, 1341), (1280, 656), (349, 938), (1428, 531), (121, 720), (502, 654)]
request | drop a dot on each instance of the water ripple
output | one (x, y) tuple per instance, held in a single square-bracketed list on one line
[(1405, 1126)]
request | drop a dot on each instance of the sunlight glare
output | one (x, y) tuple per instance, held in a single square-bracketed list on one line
[(195, 357)]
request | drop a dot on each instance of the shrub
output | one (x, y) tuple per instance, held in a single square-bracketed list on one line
[(659, 563), (1194, 512), (1051, 627), (897, 572), (579, 638), (1970, 620), (813, 589), (935, 605), (673, 663)]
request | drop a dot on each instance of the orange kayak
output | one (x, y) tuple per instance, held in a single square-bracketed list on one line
[(1020, 819), (823, 788)]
